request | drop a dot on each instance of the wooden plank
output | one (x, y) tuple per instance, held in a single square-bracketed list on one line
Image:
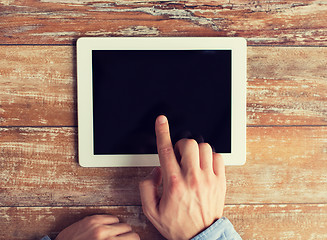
[(284, 164), (279, 221), (32, 223), (286, 86), (39, 168), (38, 86), (261, 22), (272, 221)]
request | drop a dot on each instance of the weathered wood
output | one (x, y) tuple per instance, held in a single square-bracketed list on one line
[(280, 221), (261, 22), (286, 86), (38, 86), (39, 168), (44, 190), (32, 223), (271, 221)]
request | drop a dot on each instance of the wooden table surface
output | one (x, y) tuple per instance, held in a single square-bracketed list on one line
[(281, 192)]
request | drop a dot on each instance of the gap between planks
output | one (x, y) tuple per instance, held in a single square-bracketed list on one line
[(249, 45), (248, 126), (135, 205)]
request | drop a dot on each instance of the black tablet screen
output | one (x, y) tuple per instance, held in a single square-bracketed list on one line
[(132, 87)]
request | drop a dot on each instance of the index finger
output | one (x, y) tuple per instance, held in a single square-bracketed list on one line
[(167, 158)]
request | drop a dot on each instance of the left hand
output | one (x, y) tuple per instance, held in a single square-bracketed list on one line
[(98, 227)]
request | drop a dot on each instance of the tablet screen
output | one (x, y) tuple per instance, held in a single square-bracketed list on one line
[(132, 87)]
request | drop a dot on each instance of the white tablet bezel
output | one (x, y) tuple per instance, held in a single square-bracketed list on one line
[(85, 45)]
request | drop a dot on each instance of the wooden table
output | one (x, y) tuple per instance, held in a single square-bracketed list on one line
[(281, 192)]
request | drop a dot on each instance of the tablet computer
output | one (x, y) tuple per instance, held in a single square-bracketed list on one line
[(125, 83)]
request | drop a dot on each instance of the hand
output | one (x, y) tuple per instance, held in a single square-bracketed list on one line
[(194, 186), (98, 227)]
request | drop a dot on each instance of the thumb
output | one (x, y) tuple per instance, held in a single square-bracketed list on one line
[(149, 193)]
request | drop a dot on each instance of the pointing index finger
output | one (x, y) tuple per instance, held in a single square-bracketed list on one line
[(165, 148)]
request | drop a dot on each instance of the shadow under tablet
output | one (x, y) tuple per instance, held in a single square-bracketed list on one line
[(132, 87)]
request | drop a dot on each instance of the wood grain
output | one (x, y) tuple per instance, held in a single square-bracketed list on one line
[(261, 22), (26, 223), (273, 221), (38, 86), (281, 192), (39, 168), (286, 86), (279, 221)]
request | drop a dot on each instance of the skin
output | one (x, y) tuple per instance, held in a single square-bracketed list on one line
[(98, 227), (193, 186)]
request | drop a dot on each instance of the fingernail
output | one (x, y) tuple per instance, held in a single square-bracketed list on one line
[(162, 119)]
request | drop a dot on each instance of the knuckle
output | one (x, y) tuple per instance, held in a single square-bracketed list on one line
[(97, 232), (165, 150), (174, 184), (173, 179), (193, 174), (194, 179), (91, 220), (194, 184)]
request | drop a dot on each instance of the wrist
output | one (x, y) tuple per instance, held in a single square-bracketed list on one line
[(203, 234), (220, 228)]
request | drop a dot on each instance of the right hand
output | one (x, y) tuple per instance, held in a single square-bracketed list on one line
[(98, 227), (194, 186)]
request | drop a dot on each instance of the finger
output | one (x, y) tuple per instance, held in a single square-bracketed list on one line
[(168, 162), (102, 219), (117, 229), (188, 151), (149, 193), (206, 157), (155, 176), (218, 165), (128, 236)]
